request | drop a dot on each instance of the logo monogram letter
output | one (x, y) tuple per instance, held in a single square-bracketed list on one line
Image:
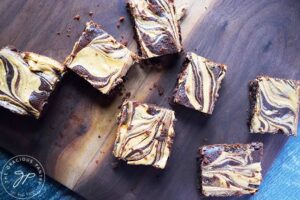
[(22, 178)]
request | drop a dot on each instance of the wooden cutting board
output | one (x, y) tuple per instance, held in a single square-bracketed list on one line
[(75, 137)]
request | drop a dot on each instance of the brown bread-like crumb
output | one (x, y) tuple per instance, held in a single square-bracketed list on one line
[(121, 19), (77, 17)]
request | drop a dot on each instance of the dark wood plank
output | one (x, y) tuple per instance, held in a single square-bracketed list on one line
[(74, 138)]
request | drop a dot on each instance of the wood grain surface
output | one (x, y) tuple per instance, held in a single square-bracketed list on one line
[(74, 138)]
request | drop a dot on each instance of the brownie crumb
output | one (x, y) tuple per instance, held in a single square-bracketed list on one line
[(161, 91), (91, 13), (58, 33), (68, 29), (121, 19), (77, 17), (68, 35), (99, 136), (159, 88), (97, 162)]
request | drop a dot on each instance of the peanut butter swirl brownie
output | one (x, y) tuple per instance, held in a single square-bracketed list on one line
[(156, 26), (100, 59), (199, 83), (275, 105), (27, 80), (145, 134), (228, 170)]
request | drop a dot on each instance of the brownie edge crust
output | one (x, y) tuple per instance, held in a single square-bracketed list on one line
[(230, 169)]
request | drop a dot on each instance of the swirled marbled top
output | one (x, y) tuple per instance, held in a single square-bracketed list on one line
[(156, 26), (145, 134), (275, 105), (228, 170), (199, 83), (100, 59), (27, 80)]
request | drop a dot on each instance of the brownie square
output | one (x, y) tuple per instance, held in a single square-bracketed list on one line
[(199, 83), (100, 59), (27, 80), (275, 105), (230, 169), (145, 134), (156, 27)]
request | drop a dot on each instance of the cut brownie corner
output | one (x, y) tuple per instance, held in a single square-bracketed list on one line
[(178, 96)]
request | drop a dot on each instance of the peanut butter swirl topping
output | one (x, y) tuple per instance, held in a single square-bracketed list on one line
[(231, 169), (27, 80), (100, 59), (199, 83), (145, 134), (275, 106), (157, 27)]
